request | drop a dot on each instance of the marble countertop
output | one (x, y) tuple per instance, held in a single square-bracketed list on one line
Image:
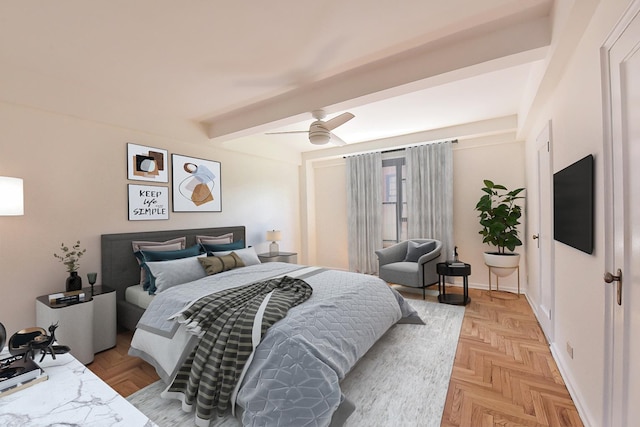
[(71, 396)]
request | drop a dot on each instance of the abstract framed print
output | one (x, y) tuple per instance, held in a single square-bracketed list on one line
[(196, 184), (146, 163)]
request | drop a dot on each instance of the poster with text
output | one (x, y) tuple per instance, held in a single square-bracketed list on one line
[(148, 202)]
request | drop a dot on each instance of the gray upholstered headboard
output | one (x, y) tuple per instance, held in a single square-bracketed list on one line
[(120, 268)]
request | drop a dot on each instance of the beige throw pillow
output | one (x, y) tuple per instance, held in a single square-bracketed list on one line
[(218, 264)]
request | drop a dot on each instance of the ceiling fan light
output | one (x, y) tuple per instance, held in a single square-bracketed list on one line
[(319, 136)]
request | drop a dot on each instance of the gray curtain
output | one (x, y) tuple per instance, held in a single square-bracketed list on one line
[(364, 209), (430, 194)]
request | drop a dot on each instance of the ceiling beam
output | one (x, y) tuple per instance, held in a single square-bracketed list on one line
[(456, 55)]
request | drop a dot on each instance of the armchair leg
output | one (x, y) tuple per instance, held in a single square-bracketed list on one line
[(424, 285)]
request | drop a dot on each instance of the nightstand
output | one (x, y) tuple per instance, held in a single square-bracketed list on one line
[(290, 257), (87, 327), (75, 325), (104, 317)]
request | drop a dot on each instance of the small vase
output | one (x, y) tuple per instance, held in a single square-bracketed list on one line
[(74, 282)]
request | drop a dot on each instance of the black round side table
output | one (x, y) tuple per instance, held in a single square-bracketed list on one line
[(445, 269)]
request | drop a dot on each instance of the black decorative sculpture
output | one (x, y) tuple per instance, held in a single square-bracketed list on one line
[(30, 340)]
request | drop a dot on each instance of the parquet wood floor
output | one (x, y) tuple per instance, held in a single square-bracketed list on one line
[(124, 373), (503, 374)]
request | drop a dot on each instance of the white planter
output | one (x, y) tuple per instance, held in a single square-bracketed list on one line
[(502, 264)]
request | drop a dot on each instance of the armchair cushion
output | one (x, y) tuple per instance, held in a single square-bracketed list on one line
[(415, 250)]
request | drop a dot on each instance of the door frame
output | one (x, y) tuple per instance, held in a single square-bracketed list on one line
[(613, 407)]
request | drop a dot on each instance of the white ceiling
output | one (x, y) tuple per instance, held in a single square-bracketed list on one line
[(226, 72)]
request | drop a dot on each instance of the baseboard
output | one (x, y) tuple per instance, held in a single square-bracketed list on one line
[(538, 314), (585, 415), (484, 287)]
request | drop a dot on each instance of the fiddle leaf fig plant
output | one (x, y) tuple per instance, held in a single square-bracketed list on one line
[(499, 215)]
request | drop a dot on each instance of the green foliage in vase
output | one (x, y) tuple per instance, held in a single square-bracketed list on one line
[(70, 256), (499, 215)]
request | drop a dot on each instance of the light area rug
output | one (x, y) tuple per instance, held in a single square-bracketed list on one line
[(401, 381)]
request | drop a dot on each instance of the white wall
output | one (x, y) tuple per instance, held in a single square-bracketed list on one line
[(75, 183), (331, 214), (499, 158), (575, 109)]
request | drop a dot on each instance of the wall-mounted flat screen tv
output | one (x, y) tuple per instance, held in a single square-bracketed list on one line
[(573, 205)]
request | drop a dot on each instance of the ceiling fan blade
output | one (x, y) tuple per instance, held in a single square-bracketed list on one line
[(335, 139), (285, 132), (338, 121)]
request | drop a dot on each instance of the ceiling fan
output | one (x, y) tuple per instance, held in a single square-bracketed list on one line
[(320, 131)]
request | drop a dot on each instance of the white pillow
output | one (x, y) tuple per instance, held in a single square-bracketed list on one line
[(175, 272), (248, 255)]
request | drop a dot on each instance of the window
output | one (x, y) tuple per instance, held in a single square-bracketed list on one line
[(394, 206)]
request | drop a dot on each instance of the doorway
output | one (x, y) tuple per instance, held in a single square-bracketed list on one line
[(543, 237)]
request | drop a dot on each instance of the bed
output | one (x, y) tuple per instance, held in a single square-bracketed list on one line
[(293, 375)]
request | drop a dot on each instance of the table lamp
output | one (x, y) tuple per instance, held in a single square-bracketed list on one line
[(274, 236)]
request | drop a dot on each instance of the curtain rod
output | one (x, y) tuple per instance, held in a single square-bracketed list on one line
[(453, 141)]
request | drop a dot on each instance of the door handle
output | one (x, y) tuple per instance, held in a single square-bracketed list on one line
[(537, 237), (610, 278)]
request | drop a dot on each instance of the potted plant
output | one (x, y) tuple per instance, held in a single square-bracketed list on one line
[(499, 218), (70, 257)]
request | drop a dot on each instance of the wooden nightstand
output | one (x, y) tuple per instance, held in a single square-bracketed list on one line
[(290, 257)]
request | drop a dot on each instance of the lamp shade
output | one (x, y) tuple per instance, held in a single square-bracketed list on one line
[(274, 235), (11, 196)]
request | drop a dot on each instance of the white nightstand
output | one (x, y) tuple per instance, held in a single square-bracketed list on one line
[(290, 257), (104, 317), (87, 327)]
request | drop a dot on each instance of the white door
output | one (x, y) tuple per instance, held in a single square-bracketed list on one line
[(544, 236), (622, 57)]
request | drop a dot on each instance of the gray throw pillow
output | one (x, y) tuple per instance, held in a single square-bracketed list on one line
[(415, 250)]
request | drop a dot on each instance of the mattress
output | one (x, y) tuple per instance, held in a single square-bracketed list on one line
[(138, 296)]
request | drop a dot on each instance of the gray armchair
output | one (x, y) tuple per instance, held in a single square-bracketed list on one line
[(410, 263)]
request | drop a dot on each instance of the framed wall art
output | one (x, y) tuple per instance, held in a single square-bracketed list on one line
[(196, 184), (146, 163), (148, 202)]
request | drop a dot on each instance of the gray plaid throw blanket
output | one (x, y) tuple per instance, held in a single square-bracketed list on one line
[(225, 321)]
